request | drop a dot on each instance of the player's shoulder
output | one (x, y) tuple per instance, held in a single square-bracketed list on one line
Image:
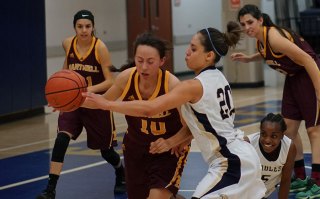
[(172, 80), (123, 77), (100, 44), (68, 39), (126, 74), (286, 139), (66, 43), (276, 36)]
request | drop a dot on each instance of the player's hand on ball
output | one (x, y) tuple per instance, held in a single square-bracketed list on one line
[(53, 109), (88, 103), (63, 90), (94, 101)]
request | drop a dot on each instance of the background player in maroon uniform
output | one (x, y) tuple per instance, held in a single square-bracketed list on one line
[(152, 176), (288, 53), (90, 57)]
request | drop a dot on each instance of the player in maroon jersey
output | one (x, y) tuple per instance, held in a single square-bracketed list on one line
[(152, 176), (288, 53), (90, 57)]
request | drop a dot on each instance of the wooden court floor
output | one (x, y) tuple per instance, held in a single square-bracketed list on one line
[(25, 152)]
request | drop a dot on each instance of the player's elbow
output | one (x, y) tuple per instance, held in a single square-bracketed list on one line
[(147, 113)]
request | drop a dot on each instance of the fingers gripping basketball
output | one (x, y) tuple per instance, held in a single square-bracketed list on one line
[(63, 90)]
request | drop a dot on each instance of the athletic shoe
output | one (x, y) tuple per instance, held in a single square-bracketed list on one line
[(48, 193), (313, 192), (298, 185), (120, 186)]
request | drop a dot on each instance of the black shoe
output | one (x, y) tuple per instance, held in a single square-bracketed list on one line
[(48, 193), (120, 186)]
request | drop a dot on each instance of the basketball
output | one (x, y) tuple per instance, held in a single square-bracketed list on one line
[(63, 90)]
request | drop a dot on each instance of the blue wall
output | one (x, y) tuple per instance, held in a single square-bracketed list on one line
[(23, 70)]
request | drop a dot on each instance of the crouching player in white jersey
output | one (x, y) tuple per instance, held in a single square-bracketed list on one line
[(276, 152)]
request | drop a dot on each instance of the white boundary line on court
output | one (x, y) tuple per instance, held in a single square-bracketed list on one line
[(64, 172), (71, 171), (46, 176), (40, 142), (26, 145)]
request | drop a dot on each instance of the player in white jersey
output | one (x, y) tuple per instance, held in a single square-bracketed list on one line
[(276, 152), (234, 167)]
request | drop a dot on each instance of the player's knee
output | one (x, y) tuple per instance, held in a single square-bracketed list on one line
[(313, 133), (60, 147), (111, 156)]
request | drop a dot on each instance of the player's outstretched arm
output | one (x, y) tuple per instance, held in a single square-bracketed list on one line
[(241, 57), (186, 91)]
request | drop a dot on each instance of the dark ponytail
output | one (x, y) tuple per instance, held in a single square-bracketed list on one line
[(269, 23), (233, 34), (267, 20)]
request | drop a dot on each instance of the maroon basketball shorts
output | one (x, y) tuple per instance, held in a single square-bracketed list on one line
[(145, 171), (99, 125), (299, 100)]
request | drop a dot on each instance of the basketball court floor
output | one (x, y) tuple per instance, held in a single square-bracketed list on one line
[(25, 147)]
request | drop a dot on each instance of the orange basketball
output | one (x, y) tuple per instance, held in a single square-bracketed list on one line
[(63, 90)]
